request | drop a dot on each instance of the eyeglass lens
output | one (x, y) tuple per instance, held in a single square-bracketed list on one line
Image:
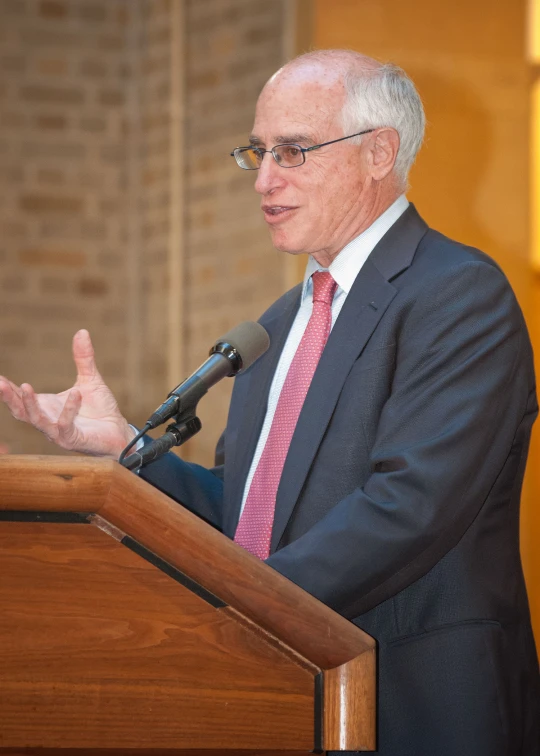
[(286, 155), (248, 158)]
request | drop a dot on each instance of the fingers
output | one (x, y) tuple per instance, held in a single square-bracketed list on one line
[(68, 435), (83, 355), (26, 406), (34, 413), (11, 395)]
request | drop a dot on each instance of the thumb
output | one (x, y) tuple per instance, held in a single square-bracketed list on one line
[(83, 356)]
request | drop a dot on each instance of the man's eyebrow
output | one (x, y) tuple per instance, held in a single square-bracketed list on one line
[(285, 139), (295, 139)]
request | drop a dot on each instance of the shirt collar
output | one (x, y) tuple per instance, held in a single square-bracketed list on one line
[(348, 263)]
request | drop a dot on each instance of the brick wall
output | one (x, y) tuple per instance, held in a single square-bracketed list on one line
[(154, 41), (65, 81), (86, 173), (232, 272)]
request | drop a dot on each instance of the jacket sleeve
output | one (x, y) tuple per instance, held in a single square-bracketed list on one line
[(462, 384), (198, 489)]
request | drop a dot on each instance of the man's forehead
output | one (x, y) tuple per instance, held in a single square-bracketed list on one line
[(303, 91), (299, 109), (306, 71)]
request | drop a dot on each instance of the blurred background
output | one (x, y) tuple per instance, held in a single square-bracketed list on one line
[(122, 212)]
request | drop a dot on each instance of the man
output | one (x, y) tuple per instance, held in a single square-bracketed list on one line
[(380, 466)]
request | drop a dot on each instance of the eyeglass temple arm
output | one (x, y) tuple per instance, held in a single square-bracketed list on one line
[(307, 149), (341, 139)]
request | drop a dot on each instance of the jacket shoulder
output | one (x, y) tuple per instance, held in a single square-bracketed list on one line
[(437, 249)]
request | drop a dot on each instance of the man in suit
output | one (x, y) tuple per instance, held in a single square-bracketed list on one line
[(374, 455)]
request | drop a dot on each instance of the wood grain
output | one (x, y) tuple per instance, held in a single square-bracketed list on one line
[(31, 481), (349, 705), (99, 649), (278, 637), (143, 752), (156, 521)]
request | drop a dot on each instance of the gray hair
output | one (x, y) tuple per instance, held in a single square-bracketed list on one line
[(385, 96)]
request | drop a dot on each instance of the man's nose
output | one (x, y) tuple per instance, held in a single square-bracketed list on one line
[(269, 176)]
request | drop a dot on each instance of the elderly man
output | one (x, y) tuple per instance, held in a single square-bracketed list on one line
[(385, 432)]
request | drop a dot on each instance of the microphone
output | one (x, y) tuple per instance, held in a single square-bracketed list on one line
[(237, 350)]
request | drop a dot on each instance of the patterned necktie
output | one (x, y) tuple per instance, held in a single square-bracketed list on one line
[(255, 527)]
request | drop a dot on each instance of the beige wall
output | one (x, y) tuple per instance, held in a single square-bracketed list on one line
[(471, 180)]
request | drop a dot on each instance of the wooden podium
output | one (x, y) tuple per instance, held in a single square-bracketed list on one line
[(130, 626)]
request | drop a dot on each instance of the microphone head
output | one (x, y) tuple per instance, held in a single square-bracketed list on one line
[(249, 339)]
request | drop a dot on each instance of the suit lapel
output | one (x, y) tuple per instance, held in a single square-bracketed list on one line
[(365, 305)]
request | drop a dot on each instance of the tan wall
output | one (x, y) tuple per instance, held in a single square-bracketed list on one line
[(471, 179)]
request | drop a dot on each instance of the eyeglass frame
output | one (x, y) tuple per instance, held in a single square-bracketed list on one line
[(303, 150)]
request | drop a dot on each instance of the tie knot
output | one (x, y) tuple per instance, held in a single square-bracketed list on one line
[(324, 287)]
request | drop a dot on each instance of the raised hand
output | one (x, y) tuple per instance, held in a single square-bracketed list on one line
[(85, 418)]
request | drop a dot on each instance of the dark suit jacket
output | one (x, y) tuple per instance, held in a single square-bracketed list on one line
[(399, 500)]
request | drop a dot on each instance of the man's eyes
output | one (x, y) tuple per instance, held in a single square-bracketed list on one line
[(291, 150)]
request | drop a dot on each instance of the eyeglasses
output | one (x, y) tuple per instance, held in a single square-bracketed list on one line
[(285, 155)]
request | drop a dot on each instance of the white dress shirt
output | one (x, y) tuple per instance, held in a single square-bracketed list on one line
[(344, 269)]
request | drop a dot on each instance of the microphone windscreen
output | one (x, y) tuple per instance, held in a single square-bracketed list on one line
[(249, 339)]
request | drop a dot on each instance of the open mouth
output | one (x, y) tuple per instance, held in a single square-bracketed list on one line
[(276, 211)]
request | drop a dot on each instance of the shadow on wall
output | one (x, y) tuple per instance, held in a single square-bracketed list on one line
[(457, 174)]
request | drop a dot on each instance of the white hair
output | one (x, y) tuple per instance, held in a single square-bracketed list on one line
[(385, 96), (377, 94)]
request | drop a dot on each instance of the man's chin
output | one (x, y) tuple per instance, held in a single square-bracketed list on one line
[(284, 243)]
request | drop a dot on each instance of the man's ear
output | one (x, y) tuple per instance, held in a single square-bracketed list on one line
[(384, 152)]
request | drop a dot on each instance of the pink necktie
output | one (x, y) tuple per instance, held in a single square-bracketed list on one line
[(255, 527)]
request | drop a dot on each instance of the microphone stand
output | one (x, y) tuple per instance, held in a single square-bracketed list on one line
[(185, 426)]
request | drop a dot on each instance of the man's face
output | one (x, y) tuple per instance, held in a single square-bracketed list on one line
[(318, 207)]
